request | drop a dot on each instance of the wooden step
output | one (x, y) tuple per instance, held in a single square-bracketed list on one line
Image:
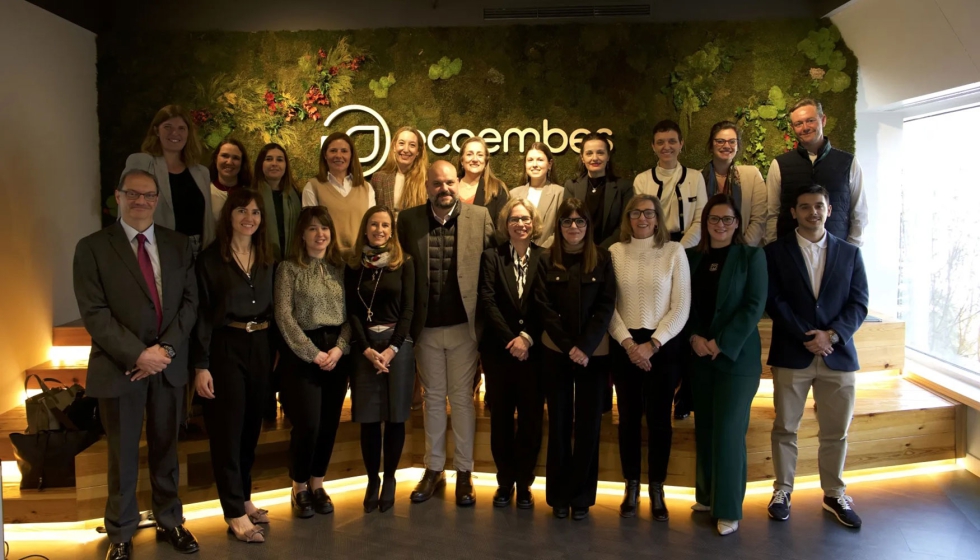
[(71, 334), (65, 373), (880, 345)]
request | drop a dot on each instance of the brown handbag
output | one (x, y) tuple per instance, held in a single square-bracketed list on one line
[(46, 411)]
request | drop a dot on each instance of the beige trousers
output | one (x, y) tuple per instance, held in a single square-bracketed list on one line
[(447, 358), (833, 391)]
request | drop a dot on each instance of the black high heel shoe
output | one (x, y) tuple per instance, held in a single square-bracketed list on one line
[(371, 494), (387, 500)]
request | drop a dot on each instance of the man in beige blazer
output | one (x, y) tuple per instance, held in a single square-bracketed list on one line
[(446, 238)]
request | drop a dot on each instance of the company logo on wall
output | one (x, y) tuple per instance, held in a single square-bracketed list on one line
[(440, 140)]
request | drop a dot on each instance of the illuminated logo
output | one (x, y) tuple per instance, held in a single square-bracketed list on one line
[(440, 140)]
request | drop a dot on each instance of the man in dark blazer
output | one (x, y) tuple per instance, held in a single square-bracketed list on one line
[(446, 238), (137, 295), (818, 298)]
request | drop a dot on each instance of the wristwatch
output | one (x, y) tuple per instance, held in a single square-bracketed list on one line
[(169, 349), (834, 337), (394, 349)]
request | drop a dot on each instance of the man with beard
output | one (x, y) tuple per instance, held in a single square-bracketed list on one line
[(446, 238)]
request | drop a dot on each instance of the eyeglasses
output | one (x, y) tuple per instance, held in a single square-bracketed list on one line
[(567, 223), (648, 214), (721, 142), (727, 220), (133, 196), (519, 220)]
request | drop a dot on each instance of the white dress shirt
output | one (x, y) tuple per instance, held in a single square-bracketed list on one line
[(859, 202), (343, 187), (151, 249), (815, 257), (534, 195)]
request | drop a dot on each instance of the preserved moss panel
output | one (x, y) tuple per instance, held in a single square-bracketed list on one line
[(276, 85)]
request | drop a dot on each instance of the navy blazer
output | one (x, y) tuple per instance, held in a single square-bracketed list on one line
[(842, 304)]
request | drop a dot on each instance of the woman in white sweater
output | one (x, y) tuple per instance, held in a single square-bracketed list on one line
[(653, 300)]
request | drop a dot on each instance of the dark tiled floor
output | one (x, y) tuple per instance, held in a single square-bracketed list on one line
[(917, 518)]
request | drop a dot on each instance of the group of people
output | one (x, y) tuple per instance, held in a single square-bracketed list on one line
[(233, 280)]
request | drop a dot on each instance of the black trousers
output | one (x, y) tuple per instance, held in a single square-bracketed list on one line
[(373, 443), (312, 400), (122, 418), (576, 397), (240, 363), (514, 386), (650, 393)]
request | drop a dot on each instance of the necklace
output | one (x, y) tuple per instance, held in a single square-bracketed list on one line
[(377, 280), (245, 267)]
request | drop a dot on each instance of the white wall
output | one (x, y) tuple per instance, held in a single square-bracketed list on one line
[(49, 179)]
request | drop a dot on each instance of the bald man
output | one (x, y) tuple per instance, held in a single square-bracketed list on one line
[(446, 238)]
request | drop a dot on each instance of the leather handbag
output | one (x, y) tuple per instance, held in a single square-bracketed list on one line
[(47, 459), (46, 411)]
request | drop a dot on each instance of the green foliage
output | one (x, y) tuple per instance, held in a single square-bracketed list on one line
[(445, 69), (835, 81), (759, 121), (819, 45), (693, 80), (381, 85)]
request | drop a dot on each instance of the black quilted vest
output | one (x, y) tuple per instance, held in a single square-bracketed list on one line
[(831, 170)]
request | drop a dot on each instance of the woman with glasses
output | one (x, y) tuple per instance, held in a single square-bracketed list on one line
[(653, 299), (575, 298), (598, 186), (540, 189), (742, 182), (169, 152), (729, 284), (510, 348)]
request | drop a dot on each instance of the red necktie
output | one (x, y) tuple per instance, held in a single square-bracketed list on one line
[(146, 267)]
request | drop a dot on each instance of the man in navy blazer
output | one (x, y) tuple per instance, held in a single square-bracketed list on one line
[(818, 298), (137, 294)]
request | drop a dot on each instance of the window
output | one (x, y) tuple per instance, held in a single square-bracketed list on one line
[(939, 267)]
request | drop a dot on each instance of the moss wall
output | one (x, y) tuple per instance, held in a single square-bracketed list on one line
[(622, 77)]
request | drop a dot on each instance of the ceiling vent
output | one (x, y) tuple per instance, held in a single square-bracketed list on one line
[(566, 12)]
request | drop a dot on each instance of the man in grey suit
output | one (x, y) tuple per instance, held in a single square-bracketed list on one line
[(446, 238), (137, 294)]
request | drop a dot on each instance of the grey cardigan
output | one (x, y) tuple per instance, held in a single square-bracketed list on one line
[(164, 214)]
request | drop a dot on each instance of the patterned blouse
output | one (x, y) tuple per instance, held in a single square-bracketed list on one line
[(308, 298)]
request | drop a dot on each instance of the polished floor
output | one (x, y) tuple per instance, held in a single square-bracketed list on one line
[(934, 516)]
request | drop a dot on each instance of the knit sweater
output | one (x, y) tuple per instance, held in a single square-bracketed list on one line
[(653, 289)]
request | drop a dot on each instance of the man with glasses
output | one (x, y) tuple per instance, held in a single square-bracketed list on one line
[(816, 161), (137, 295)]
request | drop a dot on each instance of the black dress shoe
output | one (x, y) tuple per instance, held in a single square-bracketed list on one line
[(120, 551), (180, 538), (465, 496), (525, 499), (681, 414), (503, 495), (321, 501), (371, 494), (302, 503), (387, 500), (657, 505), (580, 513), (431, 481), (631, 499), (561, 512)]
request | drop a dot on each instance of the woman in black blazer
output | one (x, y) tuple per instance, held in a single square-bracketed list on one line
[(509, 350), (602, 192), (575, 297), (477, 182)]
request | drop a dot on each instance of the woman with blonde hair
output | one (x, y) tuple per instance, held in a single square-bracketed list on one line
[(170, 152), (509, 350), (400, 183), (653, 300), (341, 188), (477, 182), (380, 287)]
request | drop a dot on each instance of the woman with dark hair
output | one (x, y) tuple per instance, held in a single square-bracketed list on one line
[(575, 298), (380, 285), (313, 322), (598, 186), (341, 188), (509, 351), (231, 353), (742, 182), (653, 300), (400, 183), (273, 179), (477, 182), (229, 169), (729, 284), (541, 189), (170, 152)]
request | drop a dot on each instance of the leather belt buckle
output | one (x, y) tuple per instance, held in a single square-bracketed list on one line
[(251, 326)]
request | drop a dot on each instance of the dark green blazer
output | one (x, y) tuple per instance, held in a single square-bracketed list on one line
[(742, 291)]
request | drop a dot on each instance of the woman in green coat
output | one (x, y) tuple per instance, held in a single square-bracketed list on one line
[(729, 284)]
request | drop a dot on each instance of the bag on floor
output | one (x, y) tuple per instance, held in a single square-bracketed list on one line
[(47, 459), (46, 411)]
